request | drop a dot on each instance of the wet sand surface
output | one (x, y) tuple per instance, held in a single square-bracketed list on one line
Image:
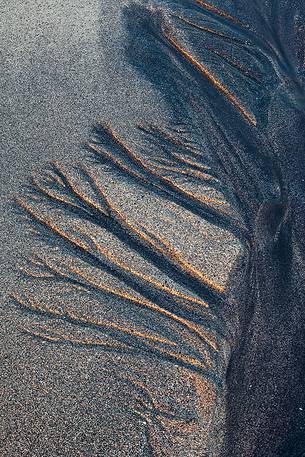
[(64, 68), (118, 339)]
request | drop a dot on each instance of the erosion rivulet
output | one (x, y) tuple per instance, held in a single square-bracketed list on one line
[(233, 156)]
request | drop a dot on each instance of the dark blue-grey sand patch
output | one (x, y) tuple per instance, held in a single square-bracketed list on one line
[(122, 266)]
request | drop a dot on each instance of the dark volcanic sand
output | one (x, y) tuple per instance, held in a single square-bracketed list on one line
[(161, 313)]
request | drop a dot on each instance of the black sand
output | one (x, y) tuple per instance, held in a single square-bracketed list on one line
[(161, 310)]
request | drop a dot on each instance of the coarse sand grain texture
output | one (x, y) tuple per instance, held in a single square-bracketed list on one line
[(153, 196)]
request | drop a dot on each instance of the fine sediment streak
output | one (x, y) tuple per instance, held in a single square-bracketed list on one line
[(233, 157)]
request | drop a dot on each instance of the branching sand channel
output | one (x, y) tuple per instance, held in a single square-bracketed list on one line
[(232, 161)]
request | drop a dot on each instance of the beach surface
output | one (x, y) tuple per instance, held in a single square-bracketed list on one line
[(64, 69)]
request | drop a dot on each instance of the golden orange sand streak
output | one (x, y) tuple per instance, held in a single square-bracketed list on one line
[(145, 278), (73, 240), (78, 318), (57, 179), (62, 337), (91, 203), (187, 172), (202, 168), (169, 137), (35, 274), (80, 244), (117, 162), (83, 275), (121, 294), (168, 162), (169, 253), (186, 161), (97, 342), (54, 196), (149, 305), (205, 29), (185, 265), (209, 202), (248, 116), (215, 10)]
